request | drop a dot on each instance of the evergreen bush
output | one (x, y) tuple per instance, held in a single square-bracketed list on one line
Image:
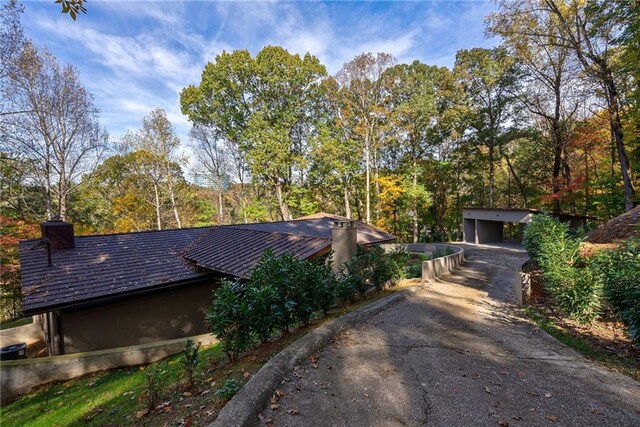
[(620, 270), (230, 318), (572, 282)]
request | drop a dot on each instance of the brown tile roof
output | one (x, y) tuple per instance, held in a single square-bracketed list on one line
[(104, 266), (235, 250), (314, 226)]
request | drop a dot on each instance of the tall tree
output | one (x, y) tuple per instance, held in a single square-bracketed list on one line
[(414, 120), (55, 125), (365, 98), (212, 155), (489, 77), (553, 91), (264, 105), (590, 29)]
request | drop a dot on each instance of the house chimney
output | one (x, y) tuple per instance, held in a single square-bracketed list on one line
[(344, 242), (58, 233)]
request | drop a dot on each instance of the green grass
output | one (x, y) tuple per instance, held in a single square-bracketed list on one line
[(626, 365), (16, 323), (108, 398)]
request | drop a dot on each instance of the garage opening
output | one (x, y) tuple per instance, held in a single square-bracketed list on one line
[(487, 225)]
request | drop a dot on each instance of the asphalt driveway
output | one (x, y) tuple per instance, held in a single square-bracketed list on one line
[(454, 354)]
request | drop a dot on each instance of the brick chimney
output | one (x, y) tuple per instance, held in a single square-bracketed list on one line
[(344, 241), (59, 233)]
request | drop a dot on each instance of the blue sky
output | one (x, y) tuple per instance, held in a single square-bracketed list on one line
[(138, 55)]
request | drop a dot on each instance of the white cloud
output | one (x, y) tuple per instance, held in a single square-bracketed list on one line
[(138, 55)]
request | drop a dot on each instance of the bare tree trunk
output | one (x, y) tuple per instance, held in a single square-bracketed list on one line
[(555, 177), (376, 183), (157, 202), (220, 202), (616, 131), (347, 207), (367, 180), (47, 185), (174, 206), (62, 200), (415, 202), (284, 210), (491, 173)]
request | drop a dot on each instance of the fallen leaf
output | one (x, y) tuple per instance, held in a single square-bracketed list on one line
[(517, 418), (274, 406), (142, 413), (246, 375), (204, 392), (187, 394), (503, 424), (187, 421), (292, 412), (552, 418), (488, 390)]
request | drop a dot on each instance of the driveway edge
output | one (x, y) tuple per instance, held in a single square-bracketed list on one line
[(243, 409)]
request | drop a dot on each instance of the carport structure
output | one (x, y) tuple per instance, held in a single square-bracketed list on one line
[(486, 225)]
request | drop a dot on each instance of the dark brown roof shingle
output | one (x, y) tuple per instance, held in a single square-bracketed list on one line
[(104, 266)]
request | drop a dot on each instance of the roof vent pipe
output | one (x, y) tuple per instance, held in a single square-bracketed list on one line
[(344, 242), (59, 233)]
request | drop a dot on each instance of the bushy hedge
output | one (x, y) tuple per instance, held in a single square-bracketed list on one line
[(620, 271), (571, 281), (372, 266), (283, 291)]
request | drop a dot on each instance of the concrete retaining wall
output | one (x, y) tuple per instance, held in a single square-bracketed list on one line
[(438, 267), (26, 333), (21, 376)]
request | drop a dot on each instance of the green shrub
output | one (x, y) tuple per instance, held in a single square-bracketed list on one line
[(230, 318), (263, 309), (279, 274), (190, 361), (572, 282), (438, 253), (229, 388), (325, 289), (620, 270), (398, 260), (347, 286), (542, 229), (156, 380), (372, 266), (414, 270)]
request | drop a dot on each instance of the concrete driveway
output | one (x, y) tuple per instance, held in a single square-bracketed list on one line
[(455, 354)]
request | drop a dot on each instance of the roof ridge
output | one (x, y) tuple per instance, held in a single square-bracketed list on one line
[(283, 233)]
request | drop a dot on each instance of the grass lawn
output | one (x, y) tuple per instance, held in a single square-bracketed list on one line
[(117, 397)]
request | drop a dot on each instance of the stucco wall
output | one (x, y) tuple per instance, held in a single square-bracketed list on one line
[(162, 316), (26, 333)]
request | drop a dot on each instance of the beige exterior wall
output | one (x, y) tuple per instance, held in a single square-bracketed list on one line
[(161, 316)]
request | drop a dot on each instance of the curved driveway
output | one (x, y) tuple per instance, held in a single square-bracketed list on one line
[(455, 354)]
